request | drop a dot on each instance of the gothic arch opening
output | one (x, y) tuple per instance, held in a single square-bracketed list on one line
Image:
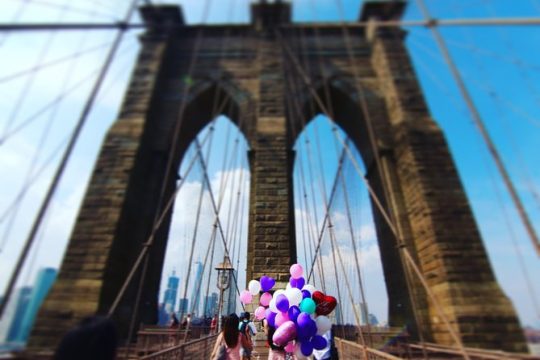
[(353, 110), (214, 171), (325, 177)]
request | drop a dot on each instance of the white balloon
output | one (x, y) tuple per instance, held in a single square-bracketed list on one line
[(278, 292), (272, 305), (288, 286), (254, 287), (294, 295), (309, 288), (323, 324)]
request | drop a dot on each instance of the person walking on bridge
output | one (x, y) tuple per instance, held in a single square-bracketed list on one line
[(230, 340), (248, 329)]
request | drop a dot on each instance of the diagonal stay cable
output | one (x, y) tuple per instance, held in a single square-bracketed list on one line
[(72, 9), (52, 63), (65, 157), (378, 203), (215, 208), (50, 105), (151, 237), (483, 131)]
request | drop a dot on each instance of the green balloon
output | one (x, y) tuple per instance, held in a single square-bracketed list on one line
[(308, 306)]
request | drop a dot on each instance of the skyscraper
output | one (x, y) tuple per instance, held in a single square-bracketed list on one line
[(196, 290), (23, 299), (211, 306), (44, 281), (183, 306), (169, 299)]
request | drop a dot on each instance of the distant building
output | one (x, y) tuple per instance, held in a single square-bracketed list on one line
[(163, 315), (169, 299), (183, 304), (45, 279), (211, 305), (373, 320), (196, 290), (21, 305)]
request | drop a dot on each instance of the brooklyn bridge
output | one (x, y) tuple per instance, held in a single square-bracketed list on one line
[(178, 163)]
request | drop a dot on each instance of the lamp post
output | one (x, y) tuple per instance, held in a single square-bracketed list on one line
[(224, 270)]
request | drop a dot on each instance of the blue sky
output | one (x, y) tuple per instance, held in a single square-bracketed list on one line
[(499, 64)]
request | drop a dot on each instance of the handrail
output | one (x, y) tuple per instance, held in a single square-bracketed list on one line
[(373, 354), (179, 349), (475, 352)]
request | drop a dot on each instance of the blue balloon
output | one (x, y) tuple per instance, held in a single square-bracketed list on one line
[(311, 328), (293, 313), (318, 342), (306, 348), (305, 294)]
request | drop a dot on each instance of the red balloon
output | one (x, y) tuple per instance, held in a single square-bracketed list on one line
[(325, 303)]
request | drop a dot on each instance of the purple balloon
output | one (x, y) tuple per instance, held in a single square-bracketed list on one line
[(311, 329), (318, 342), (271, 317), (294, 311), (267, 283), (282, 303), (303, 319), (285, 333), (305, 294), (306, 348), (298, 283), (304, 326)]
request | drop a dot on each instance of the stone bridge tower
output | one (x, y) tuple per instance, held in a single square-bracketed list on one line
[(271, 77)]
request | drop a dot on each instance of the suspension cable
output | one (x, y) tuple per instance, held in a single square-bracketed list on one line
[(483, 131), (65, 157), (376, 201)]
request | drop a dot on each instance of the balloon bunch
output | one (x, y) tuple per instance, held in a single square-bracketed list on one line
[(297, 313)]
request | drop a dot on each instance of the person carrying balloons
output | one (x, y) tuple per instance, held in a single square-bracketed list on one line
[(295, 317), (275, 352), (230, 340)]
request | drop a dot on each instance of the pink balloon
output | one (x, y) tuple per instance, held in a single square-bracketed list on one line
[(281, 318), (245, 297), (290, 347), (265, 299), (285, 333), (296, 271), (259, 313)]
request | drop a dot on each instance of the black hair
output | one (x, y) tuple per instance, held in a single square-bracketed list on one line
[(230, 330), (94, 338)]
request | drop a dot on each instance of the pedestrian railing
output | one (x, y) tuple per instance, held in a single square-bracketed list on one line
[(191, 350)]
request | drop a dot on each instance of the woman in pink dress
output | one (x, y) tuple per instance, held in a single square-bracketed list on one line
[(231, 338)]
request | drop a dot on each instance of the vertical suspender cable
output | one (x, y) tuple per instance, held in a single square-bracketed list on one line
[(67, 153), (475, 114)]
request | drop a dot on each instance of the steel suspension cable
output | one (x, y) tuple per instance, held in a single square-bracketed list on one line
[(377, 202), (40, 144), (39, 67), (484, 133), (65, 157), (74, 10), (27, 86), (50, 105)]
